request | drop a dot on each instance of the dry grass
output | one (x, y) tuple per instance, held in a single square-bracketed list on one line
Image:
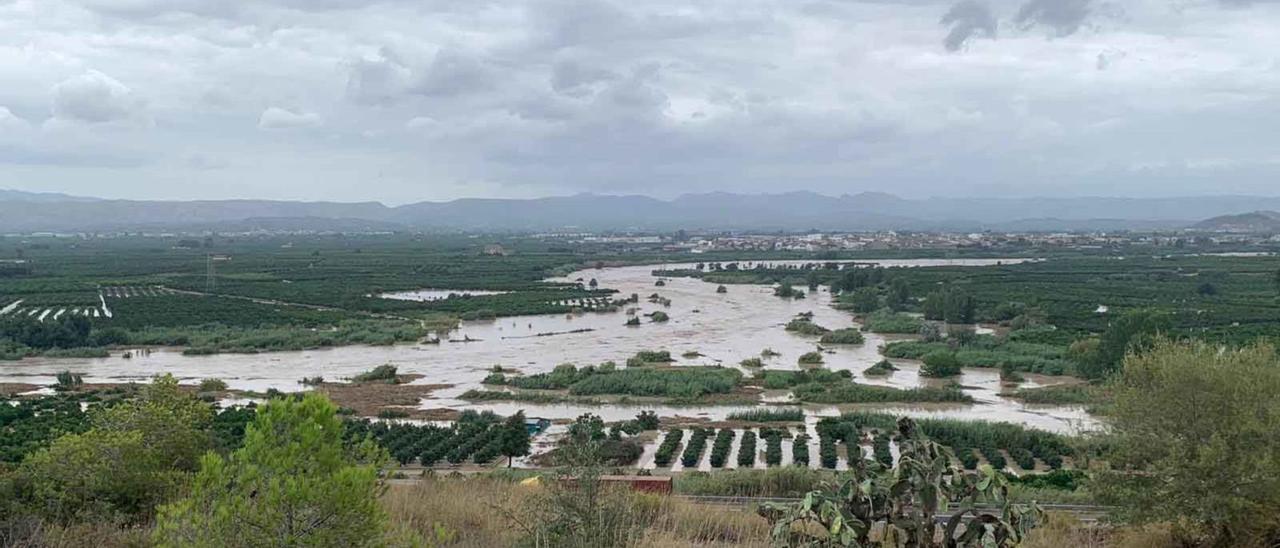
[(1064, 530), (10, 389), (34, 534), (481, 512)]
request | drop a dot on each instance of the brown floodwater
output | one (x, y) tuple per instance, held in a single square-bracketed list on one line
[(724, 328)]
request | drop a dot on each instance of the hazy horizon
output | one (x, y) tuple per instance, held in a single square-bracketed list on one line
[(670, 198), (401, 102)]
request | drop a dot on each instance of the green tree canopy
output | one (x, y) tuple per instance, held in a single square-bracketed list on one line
[(1195, 442), (174, 424), (135, 456), (293, 483), (515, 437), (1132, 331)]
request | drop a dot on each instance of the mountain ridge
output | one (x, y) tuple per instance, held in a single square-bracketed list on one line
[(797, 210)]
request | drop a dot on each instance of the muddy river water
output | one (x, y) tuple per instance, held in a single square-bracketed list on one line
[(725, 328)]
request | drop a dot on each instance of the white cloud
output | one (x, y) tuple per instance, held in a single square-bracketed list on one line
[(10, 122), (667, 96), (279, 118), (94, 97)]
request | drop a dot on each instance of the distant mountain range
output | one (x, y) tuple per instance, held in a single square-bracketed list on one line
[(1252, 222), (31, 212)]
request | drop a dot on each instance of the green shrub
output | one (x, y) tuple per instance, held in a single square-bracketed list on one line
[(810, 358), (720, 449), (667, 449), (385, 373), (747, 450), (768, 415), (888, 321), (861, 393), (805, 327), (773, 448), (213, 385), (843, 336), (881, 368), (940, 364), (800, 450), (693, 450)]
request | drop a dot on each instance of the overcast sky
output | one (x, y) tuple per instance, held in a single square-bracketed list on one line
[(410, 100)]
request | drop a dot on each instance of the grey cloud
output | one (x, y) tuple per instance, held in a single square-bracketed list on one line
[(143, 9), (548, 96), (376, 81), (94, 97), (11, 122), (279, 118), (1065, 17), (968, 19), (571, 77), (453, 72)]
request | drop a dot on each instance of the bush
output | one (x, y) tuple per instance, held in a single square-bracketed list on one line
[(68, 380), (842, 336), (693, 450), (1064, 394), (752, 362), (773, 449), (850, 392), (667, 449), (747, 450), (888, 321), (768, 415), (645, 357), (774, 379), (880, 450), (385, 373), (682, 382), (827, 454), (647, 420), (1194, 441), (881, 368), (774, 482), (940, 364), (721, 447), (805, 327), (962, 434), (800, 450), (810, 358), (213, 385)]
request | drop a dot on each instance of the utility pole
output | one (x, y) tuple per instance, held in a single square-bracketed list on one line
[(211, 271), (210, 274)]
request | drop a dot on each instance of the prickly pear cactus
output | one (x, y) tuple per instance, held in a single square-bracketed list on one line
[(923, 502)]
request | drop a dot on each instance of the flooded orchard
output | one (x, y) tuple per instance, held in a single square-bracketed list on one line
[(722, 328)]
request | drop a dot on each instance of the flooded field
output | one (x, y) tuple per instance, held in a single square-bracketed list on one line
[(426, 295), (724, 328)]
